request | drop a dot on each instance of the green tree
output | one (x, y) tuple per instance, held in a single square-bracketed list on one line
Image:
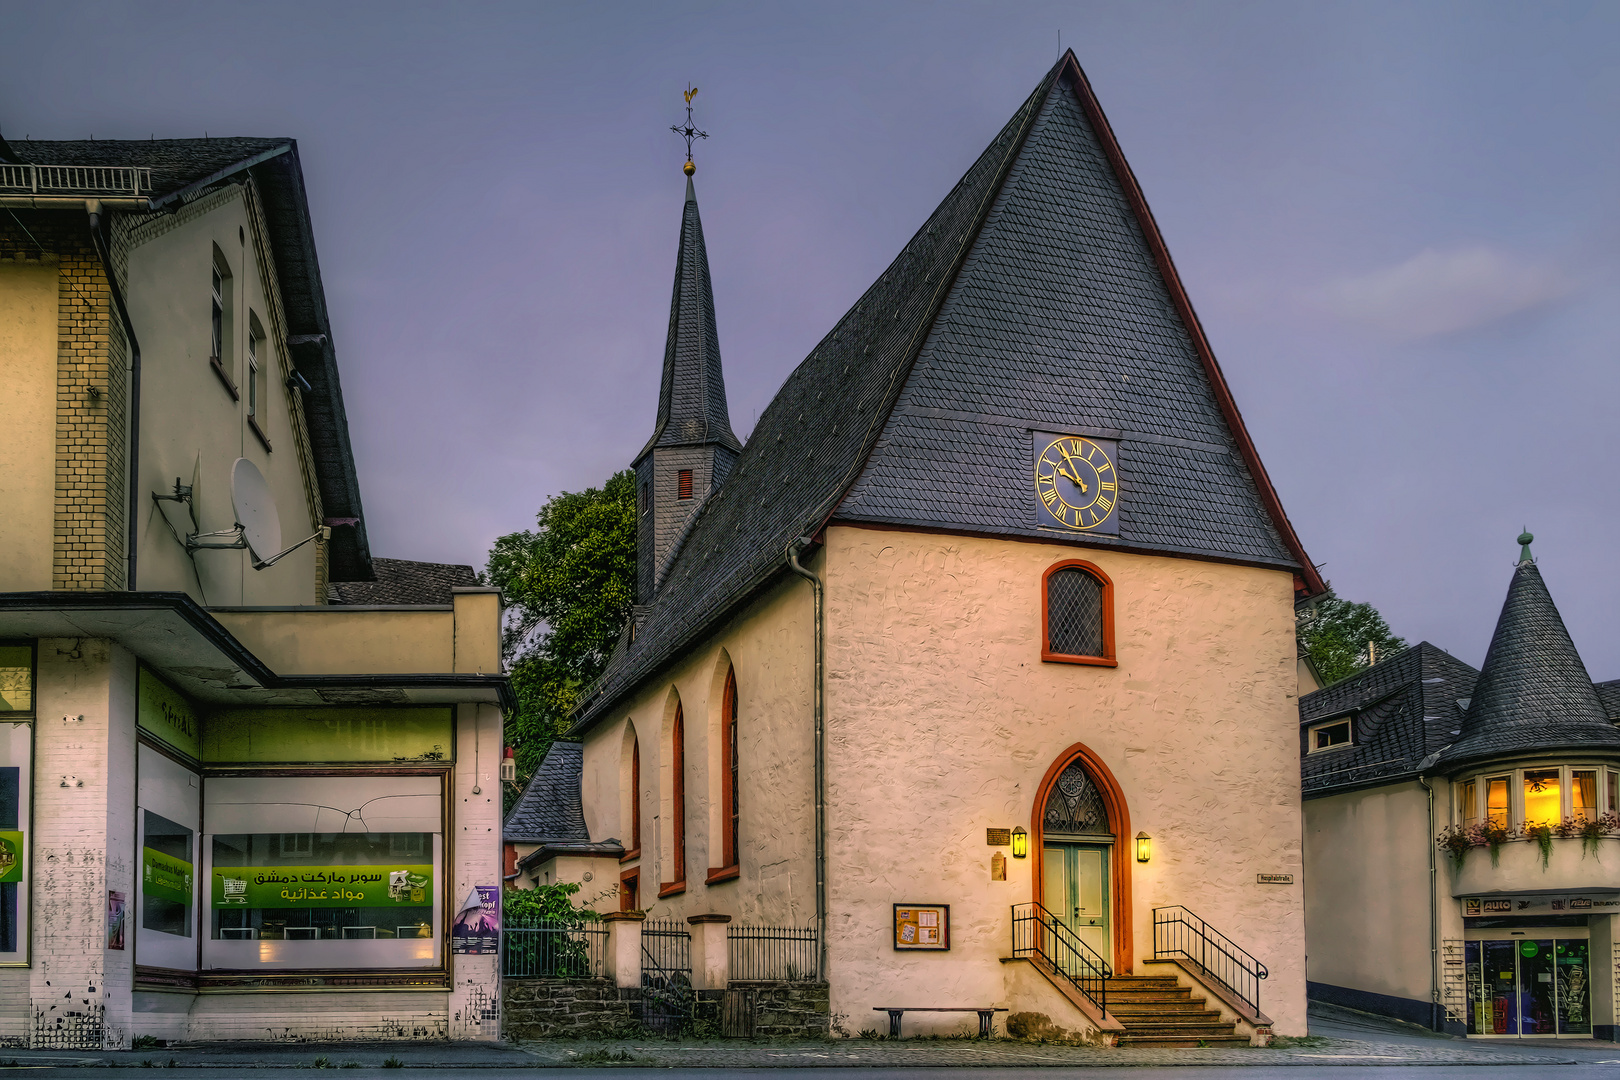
[(1336, 634), (567, 585)]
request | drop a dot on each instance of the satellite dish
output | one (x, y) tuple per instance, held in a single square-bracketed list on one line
[(255, 510)]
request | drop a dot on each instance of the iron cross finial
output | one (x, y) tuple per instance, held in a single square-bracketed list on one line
[(689, 132)]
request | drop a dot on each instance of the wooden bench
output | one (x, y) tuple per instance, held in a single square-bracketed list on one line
[(985, 1017)]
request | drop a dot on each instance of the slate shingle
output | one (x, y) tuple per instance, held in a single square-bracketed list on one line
[(403, 581), (550, 810)]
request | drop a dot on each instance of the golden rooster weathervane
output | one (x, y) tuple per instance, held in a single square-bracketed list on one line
[(689, 132)]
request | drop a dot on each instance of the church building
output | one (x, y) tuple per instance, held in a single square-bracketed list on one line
[(977, 658)]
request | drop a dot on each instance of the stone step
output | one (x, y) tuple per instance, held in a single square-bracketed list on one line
[(1166, 996), (1130, 1013), (1183, 1041), (1164, 1025), (1145, 982)]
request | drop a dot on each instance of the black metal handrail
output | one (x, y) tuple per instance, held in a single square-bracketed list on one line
[(1178, 934), (1037, 932)]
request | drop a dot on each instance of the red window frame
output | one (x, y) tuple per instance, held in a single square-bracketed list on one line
[(630, 889), (677, 764), (635, 802), (1107, 659), (683, 484), (729, 782)]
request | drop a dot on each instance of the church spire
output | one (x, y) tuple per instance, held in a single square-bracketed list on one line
[(692, 447)]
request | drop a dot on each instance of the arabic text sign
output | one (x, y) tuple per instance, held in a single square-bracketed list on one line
[(382, 885)]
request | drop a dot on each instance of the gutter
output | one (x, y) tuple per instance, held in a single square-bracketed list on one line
[(793, 551), (132, 512), (73, 202)]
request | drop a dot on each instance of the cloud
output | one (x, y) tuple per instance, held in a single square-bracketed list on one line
[(1442, 292)]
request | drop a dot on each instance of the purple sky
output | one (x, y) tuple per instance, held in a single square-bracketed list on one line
[(1397, 221)]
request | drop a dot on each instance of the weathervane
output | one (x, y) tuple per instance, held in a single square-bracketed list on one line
[(689, 132)]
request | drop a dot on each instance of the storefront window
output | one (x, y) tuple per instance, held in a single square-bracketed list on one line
[(16, 678), (1468, 802), (166, 876), (324, 871), (16, 756), (1583, 794), (1528, 984), (1496, 800)]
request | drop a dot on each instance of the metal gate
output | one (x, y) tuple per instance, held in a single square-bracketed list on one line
[(667, 1001)]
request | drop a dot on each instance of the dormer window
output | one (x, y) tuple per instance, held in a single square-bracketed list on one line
[(683, 485), (1330, 736)]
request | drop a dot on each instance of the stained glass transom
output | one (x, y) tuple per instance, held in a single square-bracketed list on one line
[(1075, 805), (1074, 614)]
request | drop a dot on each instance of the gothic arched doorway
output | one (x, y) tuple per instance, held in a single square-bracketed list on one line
[(1080, 832)]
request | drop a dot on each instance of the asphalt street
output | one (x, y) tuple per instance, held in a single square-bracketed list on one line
[(1598, 1070)]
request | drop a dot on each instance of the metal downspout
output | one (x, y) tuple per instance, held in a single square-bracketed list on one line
[(821, 758), (1435, 1021), (93, 207)]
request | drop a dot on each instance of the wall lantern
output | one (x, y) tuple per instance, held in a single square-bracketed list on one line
[(1020, 842), (1144, 847)]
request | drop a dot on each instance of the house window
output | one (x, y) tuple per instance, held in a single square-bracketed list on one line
[(1543, 798), (1583, 804), (1077, 615), (630, 890), (635, 797), (683, 485), (255, 381), (677, 810), (1497, 810), (1331, 735), (646, 504), (1468, 802), (253, 376), (219, 347)]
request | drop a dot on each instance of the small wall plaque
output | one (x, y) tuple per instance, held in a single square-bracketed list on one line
[(998, 867), (998, 837), (1274, 879), (922, 926)]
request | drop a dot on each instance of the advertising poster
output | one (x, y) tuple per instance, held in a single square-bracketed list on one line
[(477, 927), (165, 877), (115, 920), (322, 886), (11, 856)]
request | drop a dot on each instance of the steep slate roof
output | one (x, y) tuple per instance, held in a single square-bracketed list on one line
[(1609, 694), (549, 809), (1050, 198), (402, 581), (1404, 709), (1533, 691), (185, 168), (692, 395)]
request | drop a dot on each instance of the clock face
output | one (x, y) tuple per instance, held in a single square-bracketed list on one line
[(1075, 484)]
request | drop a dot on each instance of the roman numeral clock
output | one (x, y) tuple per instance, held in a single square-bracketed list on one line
[(1076, 485)]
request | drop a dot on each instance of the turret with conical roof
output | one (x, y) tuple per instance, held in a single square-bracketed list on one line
[(1534, 694), (692, 447)]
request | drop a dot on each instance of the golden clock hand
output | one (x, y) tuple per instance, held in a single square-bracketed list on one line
[(1075, 479)]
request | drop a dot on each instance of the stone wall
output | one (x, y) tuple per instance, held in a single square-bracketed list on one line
[(784, 1010), (568, 1008)]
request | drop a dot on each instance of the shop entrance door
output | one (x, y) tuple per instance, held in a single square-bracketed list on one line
[(1530, 986), (1075, 890)]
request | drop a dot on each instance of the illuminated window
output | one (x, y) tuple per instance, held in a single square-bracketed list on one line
[(1583, 794), (1543, 798)]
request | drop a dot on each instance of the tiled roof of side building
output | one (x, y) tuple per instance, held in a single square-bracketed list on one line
[(550, 810), (1534, 693), (185, 168), (1609, 696), (402, 581), (954, 298), (1404, 710)]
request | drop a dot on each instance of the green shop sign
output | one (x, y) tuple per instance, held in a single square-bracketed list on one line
[(166, 715), (11, 856), (386, 885), (165, 876)]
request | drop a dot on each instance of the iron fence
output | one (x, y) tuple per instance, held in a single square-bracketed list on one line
[(773, 953), (1040, 936), (1178, 934), (552, 949), (667, 1002)]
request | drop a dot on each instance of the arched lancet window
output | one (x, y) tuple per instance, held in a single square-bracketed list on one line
[(677, 809), (1077, 615), (1075, 807), (728, 770), (635, 797)]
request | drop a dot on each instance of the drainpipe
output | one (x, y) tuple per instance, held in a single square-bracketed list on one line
[(94, 207), (1435, 1022), (793, 551)]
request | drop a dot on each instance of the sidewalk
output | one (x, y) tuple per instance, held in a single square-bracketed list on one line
[(1347, 1038)]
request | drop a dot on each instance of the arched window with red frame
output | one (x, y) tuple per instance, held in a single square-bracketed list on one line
[(729, 786), (1077, 615), (677, 809), (635, 796)]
